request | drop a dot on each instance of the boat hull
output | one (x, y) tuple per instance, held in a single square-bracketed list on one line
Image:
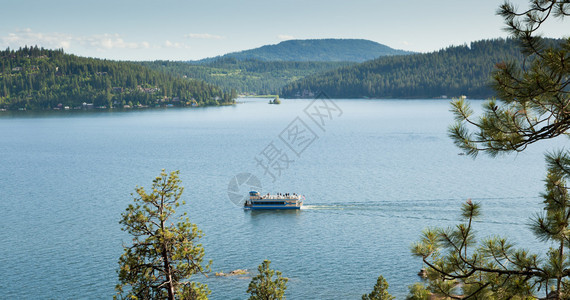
[(276, 207), (273, 202)]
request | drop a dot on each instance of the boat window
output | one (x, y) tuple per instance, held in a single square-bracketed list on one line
[(270, 203)]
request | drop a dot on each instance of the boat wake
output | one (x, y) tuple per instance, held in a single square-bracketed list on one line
[(344, 206), (386, 204), (421, 209)]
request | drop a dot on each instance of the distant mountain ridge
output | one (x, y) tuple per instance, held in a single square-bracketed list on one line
[(454, 71), (330, 50)]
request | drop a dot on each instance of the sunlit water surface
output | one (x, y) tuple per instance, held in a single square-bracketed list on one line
[(374, 177)]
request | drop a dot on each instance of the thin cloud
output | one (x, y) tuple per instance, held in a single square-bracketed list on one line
[(99, 42), (205, 36), (176, 45), (109, 41), (26, 37), (284, 37)]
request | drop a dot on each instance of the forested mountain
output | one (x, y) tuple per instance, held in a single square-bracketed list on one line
[(37, 78), (265, 70), (354, 50), (246, 76), (454, 71)]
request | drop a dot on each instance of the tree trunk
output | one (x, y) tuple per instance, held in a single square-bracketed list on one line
[(168, 274), (167, 270), (559, 277)]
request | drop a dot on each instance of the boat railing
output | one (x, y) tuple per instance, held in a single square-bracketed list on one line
[(276, 197)]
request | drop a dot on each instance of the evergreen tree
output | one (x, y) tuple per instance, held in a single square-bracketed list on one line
[(454, 71), (245, 76), (418, 291), (275, 100), (263, 287), (380, 291), (163, 256), (533, 107), (44, 78)]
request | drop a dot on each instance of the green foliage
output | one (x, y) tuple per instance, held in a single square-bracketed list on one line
[(380, 291), (418, 292), (263, 287), (532, 107), (533, 103), (37, 78), (245, 76), (458, 265), (163, 255), (275, 101), (455, 71), (353, 50)]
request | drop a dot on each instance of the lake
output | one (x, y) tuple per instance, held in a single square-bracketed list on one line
[(374, 173)]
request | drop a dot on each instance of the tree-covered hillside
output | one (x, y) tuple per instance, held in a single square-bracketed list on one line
[(37, 78), (454, 71), (354, 50), (247, 76)]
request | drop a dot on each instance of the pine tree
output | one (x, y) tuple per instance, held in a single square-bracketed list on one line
[(163, 256), (380, 291), (263, 287), (533, 106)]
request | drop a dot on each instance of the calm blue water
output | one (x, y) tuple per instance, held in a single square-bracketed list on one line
[(374, 178)]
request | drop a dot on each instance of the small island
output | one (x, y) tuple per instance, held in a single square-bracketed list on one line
[(275, 101)]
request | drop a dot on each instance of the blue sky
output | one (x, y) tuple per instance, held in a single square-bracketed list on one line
[(191, 29)]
